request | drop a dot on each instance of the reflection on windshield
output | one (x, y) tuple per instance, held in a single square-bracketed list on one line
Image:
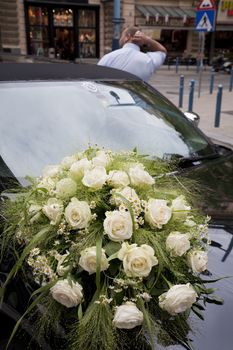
[(41, 122)]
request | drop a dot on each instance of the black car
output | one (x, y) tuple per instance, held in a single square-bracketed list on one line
[(51, 110)]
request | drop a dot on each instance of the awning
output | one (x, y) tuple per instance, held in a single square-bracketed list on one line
[(172, 12)]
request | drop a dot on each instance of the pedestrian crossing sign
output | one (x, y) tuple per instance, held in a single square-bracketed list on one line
[(205, 21)]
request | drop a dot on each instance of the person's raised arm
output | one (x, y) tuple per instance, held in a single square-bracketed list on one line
[(141, 39)]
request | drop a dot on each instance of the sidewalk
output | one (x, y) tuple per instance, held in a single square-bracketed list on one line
[(204, 106)]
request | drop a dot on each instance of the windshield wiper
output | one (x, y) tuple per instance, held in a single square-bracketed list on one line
[(189, 161), (195, 160)]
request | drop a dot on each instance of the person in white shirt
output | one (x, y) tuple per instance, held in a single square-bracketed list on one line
[(129, 57)]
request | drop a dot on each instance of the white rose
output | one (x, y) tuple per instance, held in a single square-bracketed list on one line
[(137, 261), (62, 269), (178, 298), (117, 178), (47, 183), (95, 178), (180, 208), (198, 260), (78, 214), (68, 161), (67, 294), (66, 188), (51, 170), (127, 316), (79, 168), (118, 225), (177, 243), (129, 194), (35, 212), (53, 210), (140, 177), (157, 212), (88, 260), (102, 159)]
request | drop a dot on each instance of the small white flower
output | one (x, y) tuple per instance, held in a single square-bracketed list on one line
[(61, 268), (157, 212), (88, 260), (198, 260), (178, 298), (53, 210), (66, 188), (95, 178), (140, 177), (46, 183), (78, 214), (127, 316), (177, 243), (67, 293), (118, 225)]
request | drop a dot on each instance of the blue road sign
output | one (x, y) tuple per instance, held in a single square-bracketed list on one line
[(205, 21)]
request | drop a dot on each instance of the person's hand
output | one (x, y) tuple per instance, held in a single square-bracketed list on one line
[(140, 38)]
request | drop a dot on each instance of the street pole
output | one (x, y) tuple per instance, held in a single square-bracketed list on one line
[(116, 24), (201, 56), (212, 38)]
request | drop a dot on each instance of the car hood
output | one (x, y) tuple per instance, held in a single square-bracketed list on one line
[(215, 177), (215, 331)]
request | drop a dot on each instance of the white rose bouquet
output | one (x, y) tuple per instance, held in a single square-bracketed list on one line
[(104, 236)]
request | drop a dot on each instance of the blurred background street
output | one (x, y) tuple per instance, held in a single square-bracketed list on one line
[(167, 82)]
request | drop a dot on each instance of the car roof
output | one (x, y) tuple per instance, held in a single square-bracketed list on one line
[(60, 71)]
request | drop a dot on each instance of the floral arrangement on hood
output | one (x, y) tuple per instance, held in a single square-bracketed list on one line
[(115, 248)]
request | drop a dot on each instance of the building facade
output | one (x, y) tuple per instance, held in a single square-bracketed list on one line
[(70, 29)]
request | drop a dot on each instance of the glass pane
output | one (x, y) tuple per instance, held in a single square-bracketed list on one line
[(38, 15), (63, 17), (86, 18), (39, 42), (87, 50), (87, 35)]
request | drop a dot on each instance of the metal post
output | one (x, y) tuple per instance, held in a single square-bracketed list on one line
[(218, 107), (212, 81), (202, 43), (116, 24), (191, 95), (181, 91), (177, 64), (231, 80)]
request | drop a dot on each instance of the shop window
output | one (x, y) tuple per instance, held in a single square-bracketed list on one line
[(63, 17), (38, 30), (87, 33)]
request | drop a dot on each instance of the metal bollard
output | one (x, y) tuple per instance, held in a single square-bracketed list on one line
[(218, 107), (177, 64), (181, 91), (231, 80), (212, 81), (191, 95)]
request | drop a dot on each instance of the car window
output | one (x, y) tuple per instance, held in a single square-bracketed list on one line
[(41, 122)]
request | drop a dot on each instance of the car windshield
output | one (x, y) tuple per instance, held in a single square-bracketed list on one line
[(41, 122)]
